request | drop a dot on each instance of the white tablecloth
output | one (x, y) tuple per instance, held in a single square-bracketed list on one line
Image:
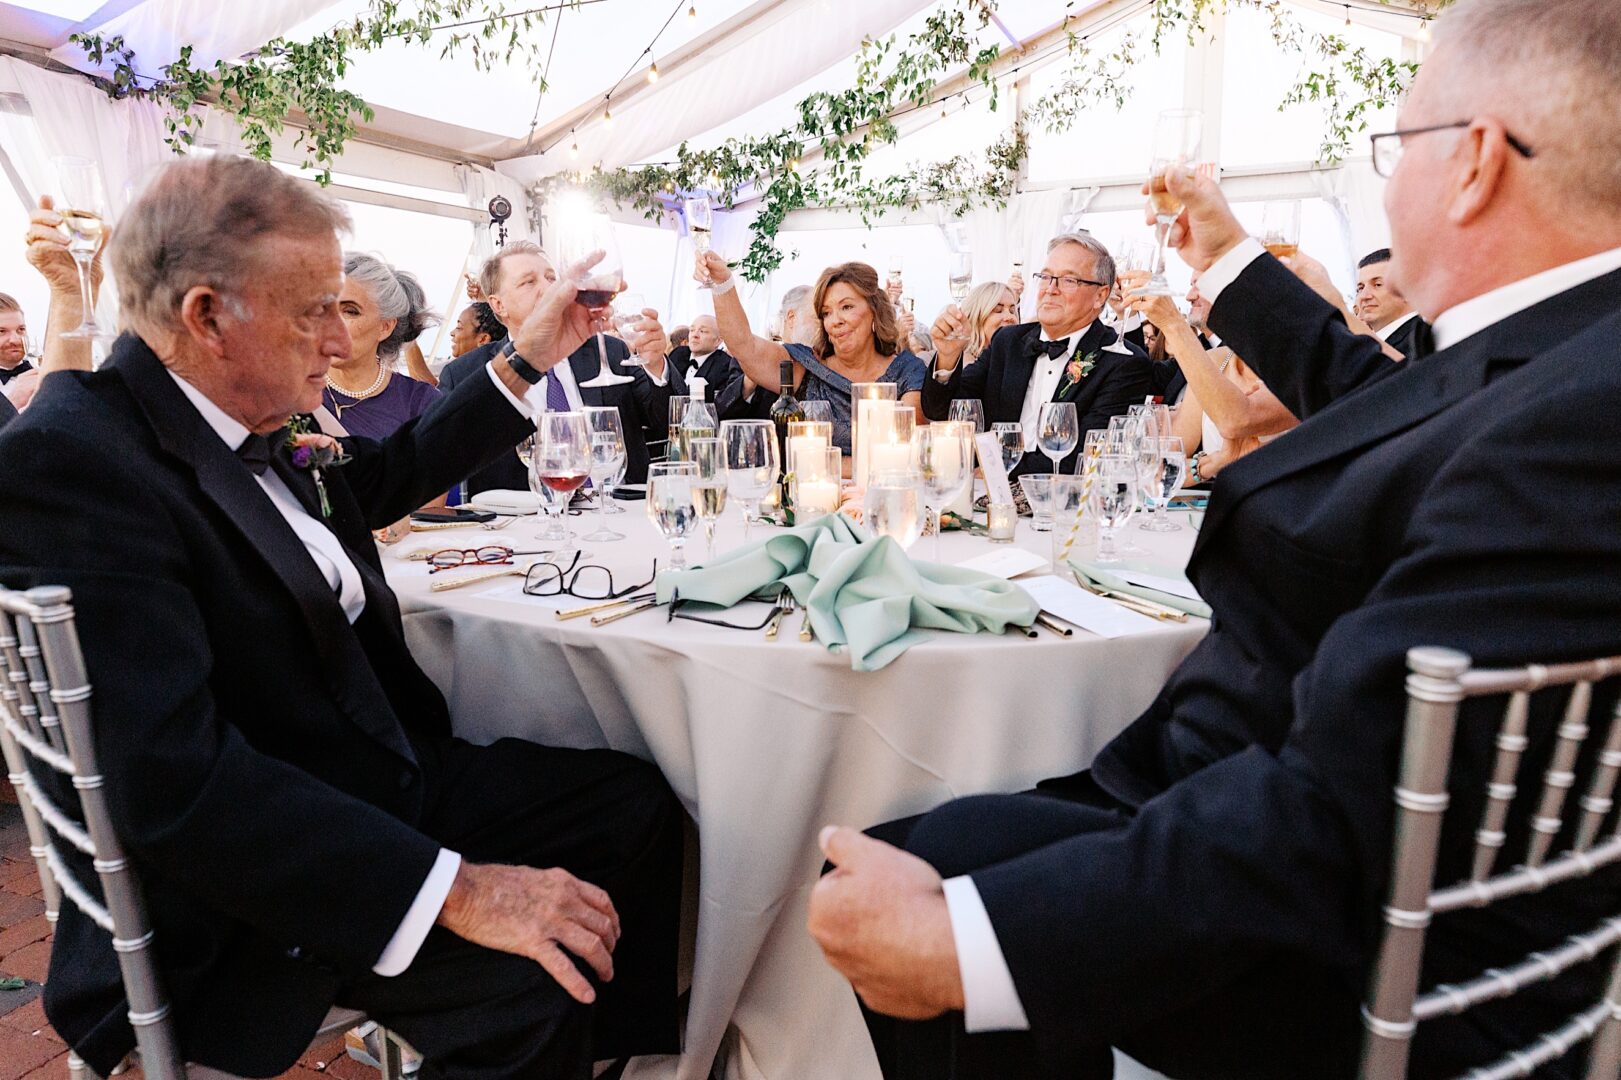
[(765, 743)]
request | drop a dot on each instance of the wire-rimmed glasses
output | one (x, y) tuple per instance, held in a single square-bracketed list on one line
[(607, 459), (488, 555), (589, 582), (1387, 145), (84, 218)]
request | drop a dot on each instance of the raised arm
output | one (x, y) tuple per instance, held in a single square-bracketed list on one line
[(757, 356), (48, 253)]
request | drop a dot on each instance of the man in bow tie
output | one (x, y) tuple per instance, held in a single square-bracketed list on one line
[(1062, 356)]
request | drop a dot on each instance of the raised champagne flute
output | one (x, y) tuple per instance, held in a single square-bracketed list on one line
[(700, 222), (960, 278), (1280, 227), (607, 459), (752, 464), (1176, 145), (670, 505), (84, 218), (709, 490), (560, 465)]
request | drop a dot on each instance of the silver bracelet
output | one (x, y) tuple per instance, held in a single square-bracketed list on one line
[(723, 286)]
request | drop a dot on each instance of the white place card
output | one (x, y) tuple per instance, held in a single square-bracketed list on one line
[(990, 463), (1005, 563), (1174, 585), (1074, 604)]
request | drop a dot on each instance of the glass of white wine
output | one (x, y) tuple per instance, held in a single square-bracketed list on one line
[(709, 490), (1176, 145), (960, 278), (84, 218), (607, 459), (1280, 227), (670, 505), (700, 221)]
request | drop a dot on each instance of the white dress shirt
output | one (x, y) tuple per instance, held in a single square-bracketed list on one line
[(1392, 327), (697, 362), (333, 561), (990, 1001), (533, 402), (1044, 382)]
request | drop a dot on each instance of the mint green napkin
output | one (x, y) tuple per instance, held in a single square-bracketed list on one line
[(1105, 579), (861, 592)]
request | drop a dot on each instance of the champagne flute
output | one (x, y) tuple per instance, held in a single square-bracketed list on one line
[(560, 463), (700, 220), (84, 212), (607, 458), (670, 505), (971, 410), (1171, 471), (945, 465), (1176, 143), (1058, 430), (709, 489), (1280, 227), (678, 412), (751, 463), (891, 506), (1114, 498), (961, 276), (1010, 438)]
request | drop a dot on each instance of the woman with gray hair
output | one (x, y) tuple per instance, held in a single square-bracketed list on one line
[(383, 309)]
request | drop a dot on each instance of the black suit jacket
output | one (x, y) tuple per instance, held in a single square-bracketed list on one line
[(1168, 381), (1413, 338), (8, 411), (1449, 502), (263, 758), (643, 406), (1002, 373), (718, 370)]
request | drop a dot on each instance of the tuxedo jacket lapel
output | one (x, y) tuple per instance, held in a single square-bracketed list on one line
[(1094, 340), (584, 363), (1018, 369)]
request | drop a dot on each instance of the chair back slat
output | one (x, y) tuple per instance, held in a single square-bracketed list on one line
[(39, 684), (1496, 983), (1511, 743), (1600, 797), (17, 770), (1561, 774)]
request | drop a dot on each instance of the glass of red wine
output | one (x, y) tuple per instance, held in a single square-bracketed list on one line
[(559, 465), (578, 236)]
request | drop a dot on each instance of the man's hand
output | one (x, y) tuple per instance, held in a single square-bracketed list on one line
[(711, 269), (950, 334), (1015, 284), (21, 390), (559, 325), (48, 253), (905, 322), (648, 340), (1206, 229), (538, 914), (475, 291), (882, 922)]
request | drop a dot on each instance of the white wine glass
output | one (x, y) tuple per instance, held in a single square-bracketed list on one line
[(1010, 440), (960, 278), (751, 464), (1176, 144), (709, 489), (1280, 227), (670, 505), (893, 506), (971, 410), (559, 465), (84, 217), (945, 466), (1058, 430), (700, 222), (1114, 497), (607, 459)]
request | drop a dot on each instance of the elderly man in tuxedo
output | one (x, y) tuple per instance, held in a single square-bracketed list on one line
[(1207, 894), (1062, 356), (283, 774)]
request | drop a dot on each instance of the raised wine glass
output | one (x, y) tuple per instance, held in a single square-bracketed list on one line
[(700, 220), (1010, 439), (1176, 145), (560, 464), (607, 458), (670, 505), (627, 312), (751, 463), (84, 216), (945, 466), (1280, 227), (576, 237), (1058, 430), (969, 409), (709, 489), (1114, 497), (961, 275)]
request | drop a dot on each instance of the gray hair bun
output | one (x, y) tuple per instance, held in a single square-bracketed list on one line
[(398, 296)]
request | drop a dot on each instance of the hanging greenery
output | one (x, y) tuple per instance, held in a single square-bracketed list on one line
[(840, 130)]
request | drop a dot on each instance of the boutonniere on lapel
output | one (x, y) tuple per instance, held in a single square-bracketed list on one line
[(1076, 371), (313, 450)]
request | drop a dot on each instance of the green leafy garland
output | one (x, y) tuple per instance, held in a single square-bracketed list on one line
[(843, 127)]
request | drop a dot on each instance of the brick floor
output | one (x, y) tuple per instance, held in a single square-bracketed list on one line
[(29, 1049)]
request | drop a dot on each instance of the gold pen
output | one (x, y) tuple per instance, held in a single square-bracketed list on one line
[(604, 620), (563, 615)]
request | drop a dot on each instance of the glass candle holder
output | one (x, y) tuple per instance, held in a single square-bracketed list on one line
[(1003, 517), (871, 407)]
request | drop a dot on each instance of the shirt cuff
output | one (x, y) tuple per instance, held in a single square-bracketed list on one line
[(990, 1002), (1225, 270), (525, 410), (423, 913), (658, 380)]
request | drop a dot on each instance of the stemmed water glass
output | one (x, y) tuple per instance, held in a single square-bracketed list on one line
[(969, 409), (709, 489), (607, 458), (84, 213), (892, 506), (1058, 430), (752, 464), (560, 461), (945, 466), (1010, 439), (670, 504), (700, 219), (1114, 497), (1169, 472), (1176, 143)]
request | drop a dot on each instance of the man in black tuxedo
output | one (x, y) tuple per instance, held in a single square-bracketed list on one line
[(1207, 895), (8, 411), (1386, 311), (1062, 356), (282, 773), (704, 357), (514, 281)]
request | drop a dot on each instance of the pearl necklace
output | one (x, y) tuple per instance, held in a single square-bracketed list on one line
[(370, 391)]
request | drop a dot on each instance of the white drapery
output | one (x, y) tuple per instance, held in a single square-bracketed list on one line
[(1019, 232)]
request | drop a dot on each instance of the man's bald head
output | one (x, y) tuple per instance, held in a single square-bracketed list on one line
[(703, 336)]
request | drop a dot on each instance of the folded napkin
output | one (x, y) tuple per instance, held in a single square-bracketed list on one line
[(506, 501), (1111, 580), (861, 592)]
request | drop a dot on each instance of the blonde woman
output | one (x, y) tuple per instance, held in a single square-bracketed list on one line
[(987, 309)]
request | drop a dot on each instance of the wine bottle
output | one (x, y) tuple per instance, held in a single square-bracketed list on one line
[(784, 411)]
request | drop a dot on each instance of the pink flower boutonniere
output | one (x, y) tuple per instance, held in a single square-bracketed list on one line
[(314, 450), (1076, 371)]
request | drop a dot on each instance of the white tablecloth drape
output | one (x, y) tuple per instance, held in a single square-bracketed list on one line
[(765, 743)]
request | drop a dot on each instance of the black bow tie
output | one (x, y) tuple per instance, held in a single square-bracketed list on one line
[(1052, 349), (255, 453)]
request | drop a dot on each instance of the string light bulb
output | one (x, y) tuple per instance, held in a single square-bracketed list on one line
[(574, 151), (653, 72), (1347, 14), (607, 117), (1424, 30), (692, 11)]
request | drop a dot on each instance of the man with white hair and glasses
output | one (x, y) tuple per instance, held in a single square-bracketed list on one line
[(1207, 895)]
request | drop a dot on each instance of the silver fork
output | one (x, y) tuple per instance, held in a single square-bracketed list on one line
[(785, 604)]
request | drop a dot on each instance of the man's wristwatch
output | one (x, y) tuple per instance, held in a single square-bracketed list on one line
[(521, 367)]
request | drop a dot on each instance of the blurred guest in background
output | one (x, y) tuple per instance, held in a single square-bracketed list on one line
[(796, 319), (703, 357), (678, 337), (1386, 311), (986, 309), (475, 326), (383, 308), (13, 340)]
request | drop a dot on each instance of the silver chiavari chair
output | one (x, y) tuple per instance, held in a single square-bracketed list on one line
[(1439, 680), (45, 716)]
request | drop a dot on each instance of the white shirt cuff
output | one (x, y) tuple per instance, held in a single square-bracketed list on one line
[(525, 410), (990, 1001), (1225, 270), (420, 917), (658, 380)]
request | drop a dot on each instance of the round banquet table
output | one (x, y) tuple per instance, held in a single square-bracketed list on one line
[(766, 742)]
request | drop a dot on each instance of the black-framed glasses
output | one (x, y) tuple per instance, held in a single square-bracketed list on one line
[(677, 611), (1387, 145), (488, 555), (1064, 282), (588, 582)]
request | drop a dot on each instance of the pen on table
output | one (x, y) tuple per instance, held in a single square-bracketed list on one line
[(1049, 623)]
